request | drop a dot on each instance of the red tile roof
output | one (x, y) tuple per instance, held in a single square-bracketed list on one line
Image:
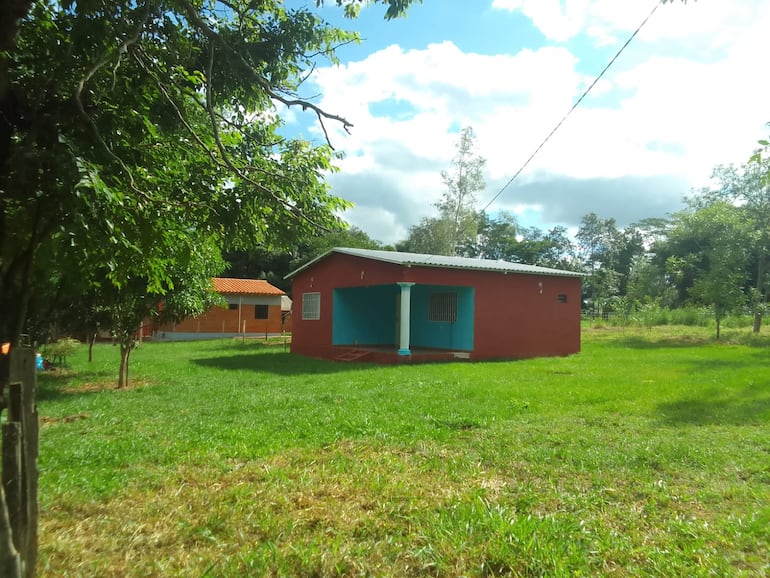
[(226, 285)]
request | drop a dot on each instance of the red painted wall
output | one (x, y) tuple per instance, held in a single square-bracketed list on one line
[(514, 316)]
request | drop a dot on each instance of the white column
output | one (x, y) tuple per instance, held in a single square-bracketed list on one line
[(406, 306)]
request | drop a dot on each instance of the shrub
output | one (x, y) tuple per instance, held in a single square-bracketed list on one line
[(59, 350)]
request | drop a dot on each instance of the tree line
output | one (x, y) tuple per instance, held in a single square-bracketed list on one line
[(142, 153), (140, 141), (713, 253)]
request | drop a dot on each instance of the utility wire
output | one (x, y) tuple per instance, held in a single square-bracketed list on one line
[(574, 106)]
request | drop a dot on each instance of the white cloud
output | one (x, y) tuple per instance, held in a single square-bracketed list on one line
[(714, 24), (662, 117), (560, 20)]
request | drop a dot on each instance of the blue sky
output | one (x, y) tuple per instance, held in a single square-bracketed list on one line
[(688, 93)]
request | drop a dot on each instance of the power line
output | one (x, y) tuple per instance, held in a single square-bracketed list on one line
[(574, 106)]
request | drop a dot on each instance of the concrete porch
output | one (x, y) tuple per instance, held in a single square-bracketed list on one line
[(389, 355)]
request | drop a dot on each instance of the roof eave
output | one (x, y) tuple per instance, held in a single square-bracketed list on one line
[(545, 271), (341, 250), (310, 263)]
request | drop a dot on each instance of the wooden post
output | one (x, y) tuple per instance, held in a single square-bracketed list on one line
[(12, 480), (19, 509), (10, 565)]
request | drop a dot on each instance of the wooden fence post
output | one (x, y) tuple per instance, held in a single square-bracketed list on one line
[(19, 508), (9, 556)]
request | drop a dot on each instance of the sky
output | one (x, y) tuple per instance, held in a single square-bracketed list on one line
[(690, 92)]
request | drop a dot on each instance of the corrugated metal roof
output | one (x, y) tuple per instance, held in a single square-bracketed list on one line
[(423, 260), (226, 285)]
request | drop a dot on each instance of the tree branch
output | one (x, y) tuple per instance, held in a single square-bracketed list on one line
[(225, 156), (81, 109), (194, 18)]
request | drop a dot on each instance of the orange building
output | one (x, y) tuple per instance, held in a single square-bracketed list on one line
[(254, 308)]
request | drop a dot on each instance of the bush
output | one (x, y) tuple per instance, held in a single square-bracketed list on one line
[(60, 349), (691, 316)]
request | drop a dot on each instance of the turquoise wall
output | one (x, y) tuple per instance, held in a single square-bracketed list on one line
[(365, 315), (425, 333)]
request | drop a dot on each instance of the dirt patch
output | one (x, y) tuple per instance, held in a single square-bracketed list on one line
[(49, 420), (97, 387)]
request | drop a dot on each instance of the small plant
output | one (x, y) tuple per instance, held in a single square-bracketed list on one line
[(58, 351)]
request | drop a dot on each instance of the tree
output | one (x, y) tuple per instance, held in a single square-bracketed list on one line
[(320, 244), (497, 236), (188, 291), (503, 238), (462, 183), (431, 235), (130, 125), (454, 230), (717, 237), (609, 255), (260, 263), (598, 241), (748, 188)]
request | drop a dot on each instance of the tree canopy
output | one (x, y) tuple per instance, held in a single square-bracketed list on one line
[(455, 227), (133, 133)]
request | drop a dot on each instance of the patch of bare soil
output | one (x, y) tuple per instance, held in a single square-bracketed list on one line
[(99, 386), (49, 420)]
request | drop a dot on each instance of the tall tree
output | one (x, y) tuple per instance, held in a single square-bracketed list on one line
[(598, 244), (132, 125), (717, 237), (748, 188), (457, 206), (609, 255), (453, 231)]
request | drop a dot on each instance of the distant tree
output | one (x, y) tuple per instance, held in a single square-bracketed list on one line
[(453, 231), (608, 254), (748, 188), (649, 281), (550, 249), (598, 244), (462, 183), (717, 238), (260, 263), (497, 237), (351, 237), (432, 236), (503, 238)]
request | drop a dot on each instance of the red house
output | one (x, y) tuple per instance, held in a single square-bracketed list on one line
[(390, 307)]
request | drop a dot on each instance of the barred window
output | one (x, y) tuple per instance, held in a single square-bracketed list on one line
[(261, 312), (311, 306), (232, 306), (443, 307)]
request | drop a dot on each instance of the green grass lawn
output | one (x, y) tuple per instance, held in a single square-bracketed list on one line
[(646, 454)]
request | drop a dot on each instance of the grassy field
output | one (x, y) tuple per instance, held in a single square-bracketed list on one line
[(648, 454)]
